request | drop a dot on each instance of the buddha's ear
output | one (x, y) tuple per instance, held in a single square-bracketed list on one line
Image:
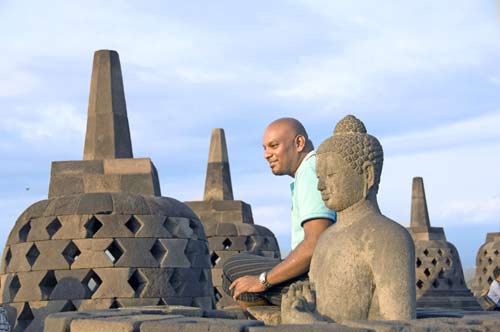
[(369, 177)]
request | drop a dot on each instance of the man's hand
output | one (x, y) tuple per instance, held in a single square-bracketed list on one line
[(246, 284)]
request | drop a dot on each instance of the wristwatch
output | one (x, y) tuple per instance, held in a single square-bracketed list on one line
[(263, 280)]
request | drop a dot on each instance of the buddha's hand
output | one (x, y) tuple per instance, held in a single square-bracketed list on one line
[(298, 305)]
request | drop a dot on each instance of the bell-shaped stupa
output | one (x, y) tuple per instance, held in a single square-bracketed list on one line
[(104, 238), (228, 223), (439, 275), (487, 259)]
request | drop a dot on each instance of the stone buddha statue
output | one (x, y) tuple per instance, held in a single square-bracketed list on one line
[(363, 267)]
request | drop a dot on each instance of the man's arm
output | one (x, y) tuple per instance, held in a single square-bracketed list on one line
[(295, 264)]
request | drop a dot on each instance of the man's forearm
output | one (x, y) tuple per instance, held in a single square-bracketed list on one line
[(295, 264)]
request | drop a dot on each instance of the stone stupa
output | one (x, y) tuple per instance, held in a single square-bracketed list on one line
[(488, 257), (439, 275), (228, 223), (104, 238)]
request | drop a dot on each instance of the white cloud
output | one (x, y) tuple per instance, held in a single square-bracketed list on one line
[(34, 123), (375, 46), (482, 129), (472, 212)]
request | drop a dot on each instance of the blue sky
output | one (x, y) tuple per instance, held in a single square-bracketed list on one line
[(423, 76)]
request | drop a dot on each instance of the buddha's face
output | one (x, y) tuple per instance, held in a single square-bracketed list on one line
[(340, 185)]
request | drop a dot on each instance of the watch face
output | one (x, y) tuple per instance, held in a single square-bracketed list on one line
[(262, 277)]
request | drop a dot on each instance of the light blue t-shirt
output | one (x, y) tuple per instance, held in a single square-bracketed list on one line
[(306, 198)]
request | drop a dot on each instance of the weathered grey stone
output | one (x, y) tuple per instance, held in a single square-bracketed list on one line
[(18, 261), (65, 185), (439, 276), (218, 180), (69, 285), (318, 327), (151, 226), (487, 259), (94, 203), (111, 138), (350, 261), (80, 249), (270, 315), (92, 253), (136, 252), (93, 183), (50, 255), (194, 324)]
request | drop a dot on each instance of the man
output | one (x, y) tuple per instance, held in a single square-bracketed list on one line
[(494, 291), (255, 280)]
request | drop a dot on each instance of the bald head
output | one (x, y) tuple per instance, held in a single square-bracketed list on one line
[(286, 143), (291, 127)]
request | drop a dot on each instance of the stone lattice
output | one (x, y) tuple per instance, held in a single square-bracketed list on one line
[(104, 238), (228, 223), (488, 257), (439, 275)]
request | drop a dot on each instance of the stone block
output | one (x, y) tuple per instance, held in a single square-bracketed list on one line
[(38, 231), (69, 285), (136, 252), (93, 304), (115, 283), (125, 203), (76, 168), (92, 253), (175, 256), (94, 203), (51, 256), (35, 210), (226, 229), (320, 327), (246, 229), (138, 184), (10, 287), (179, 227), (29, 290), (379, 326), (72, 227), (210, 229), (113, 225), (18, 261), (270, 315), (204, 302), (151, 226), (227, 205), (60, 322), (115, 324), (65, 186), (195, 324), (99, 183), (217, 277), (157, 283), (137, 303), (62, 205), (128, 166), (197, 253)]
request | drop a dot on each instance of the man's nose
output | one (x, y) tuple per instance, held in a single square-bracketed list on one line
[(267, 154)]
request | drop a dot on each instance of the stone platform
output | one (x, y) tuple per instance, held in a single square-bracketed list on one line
[(186, 319)]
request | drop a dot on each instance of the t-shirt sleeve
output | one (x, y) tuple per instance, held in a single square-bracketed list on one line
[(310, 203)]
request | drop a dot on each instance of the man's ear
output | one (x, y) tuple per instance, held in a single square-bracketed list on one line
[(369, 177), (300, 143)]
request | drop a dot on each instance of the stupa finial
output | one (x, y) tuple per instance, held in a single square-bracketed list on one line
[(419, 212), (218, 181)]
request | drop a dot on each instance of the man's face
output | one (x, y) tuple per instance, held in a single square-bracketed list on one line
[(280, 150), (340, 185)]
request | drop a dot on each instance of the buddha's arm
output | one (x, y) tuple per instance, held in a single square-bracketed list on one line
[(394, 276)]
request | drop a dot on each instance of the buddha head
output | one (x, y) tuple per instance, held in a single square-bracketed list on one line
[(349, 165)]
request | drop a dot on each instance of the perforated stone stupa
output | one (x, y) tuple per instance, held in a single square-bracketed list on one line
[(439, 275), (228, 223), (487, 258), (104, 238)]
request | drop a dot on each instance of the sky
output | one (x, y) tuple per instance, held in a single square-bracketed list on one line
[(423, 76)]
